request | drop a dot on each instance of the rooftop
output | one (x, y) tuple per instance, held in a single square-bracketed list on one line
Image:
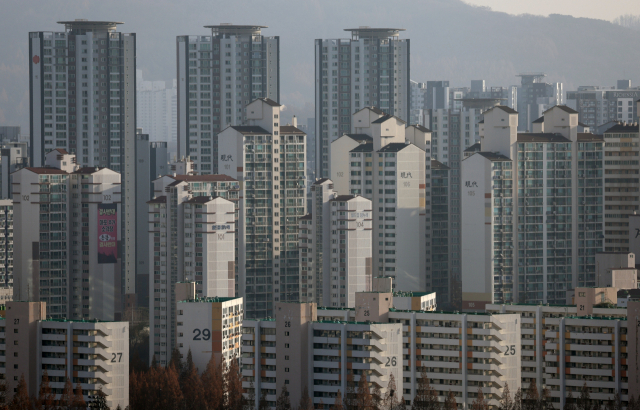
[(359, 137), (474, 148), (159, 200), (623, 127), (539, 120), (343, 198), (203, 178), (321, 181), (46, 170), (563, 108), (435, 164), (420, 128), (374, 109), (494, 156), (250, 130), (368, 147), (394, 147), (385, 118), (290, 129), (215, 299), (505, 108), (541, 137)]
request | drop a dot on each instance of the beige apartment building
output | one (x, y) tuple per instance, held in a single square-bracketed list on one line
[(209, 327), (192, 230), (335, 247), (566, 346), (386, 333), (93, 353)]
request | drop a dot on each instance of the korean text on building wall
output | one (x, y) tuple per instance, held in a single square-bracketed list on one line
[(107, 233)]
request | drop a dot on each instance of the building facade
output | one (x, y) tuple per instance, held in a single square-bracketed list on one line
[(370, 69), (524, 240), (93, 354), (622, 184), (565, 347), (268, 159), (598, 105), (191, 240), (13, 156), (535, 97), (460, 353), (210, 327), (67, 231), (335, 247), (157, 110), (82, 97), (218, 76)]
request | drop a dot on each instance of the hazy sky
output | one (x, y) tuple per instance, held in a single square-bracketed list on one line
[(606, 10)]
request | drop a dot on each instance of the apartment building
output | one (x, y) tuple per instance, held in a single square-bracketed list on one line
[(566, 346), (460, 352), (452, 132), (523, 240), (397, 195), (268, 158), (6, 246), (218, 76), (535, 97), (372, 69), (442, 278), (156, 109), (210, 327), (335, 247), (598, 105), (13, 156), (83, 100), (192, 230), (622, 184), (67, 230), (152, 163), (92, 353)]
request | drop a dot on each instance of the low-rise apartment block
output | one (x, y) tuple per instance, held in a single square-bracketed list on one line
[(92, 353), (210, 327), (566, 346), (460, 352)]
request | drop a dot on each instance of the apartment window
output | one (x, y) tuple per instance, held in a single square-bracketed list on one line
[(286, 369), (286, 345)]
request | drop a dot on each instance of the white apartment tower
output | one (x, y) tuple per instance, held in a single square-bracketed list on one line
[(335, 247), (269, 160), (156, 109), (83, 100), (532, 212), (390, 171), (6, 244), (191, 240), (67, 231), (369, 69), (218, 76)]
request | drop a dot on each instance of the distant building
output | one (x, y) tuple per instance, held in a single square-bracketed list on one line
[(13, 156), (535, 97), (91, 353), (10, 133), (597, 105), (219, 74), (371, 69), (156, 110)]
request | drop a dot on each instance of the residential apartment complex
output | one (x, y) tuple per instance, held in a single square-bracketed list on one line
[(210, 327), (192, 230), (156, 109), (13, 156), (317, 348), (372, 69), (396, 188), (268, 159), (83, 100), (67, 227), (535, 97), (94, 354), (622, 184), (598, 105), (335, 247), (533, 212), (218, 76), (565, 347), (6, 245)]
